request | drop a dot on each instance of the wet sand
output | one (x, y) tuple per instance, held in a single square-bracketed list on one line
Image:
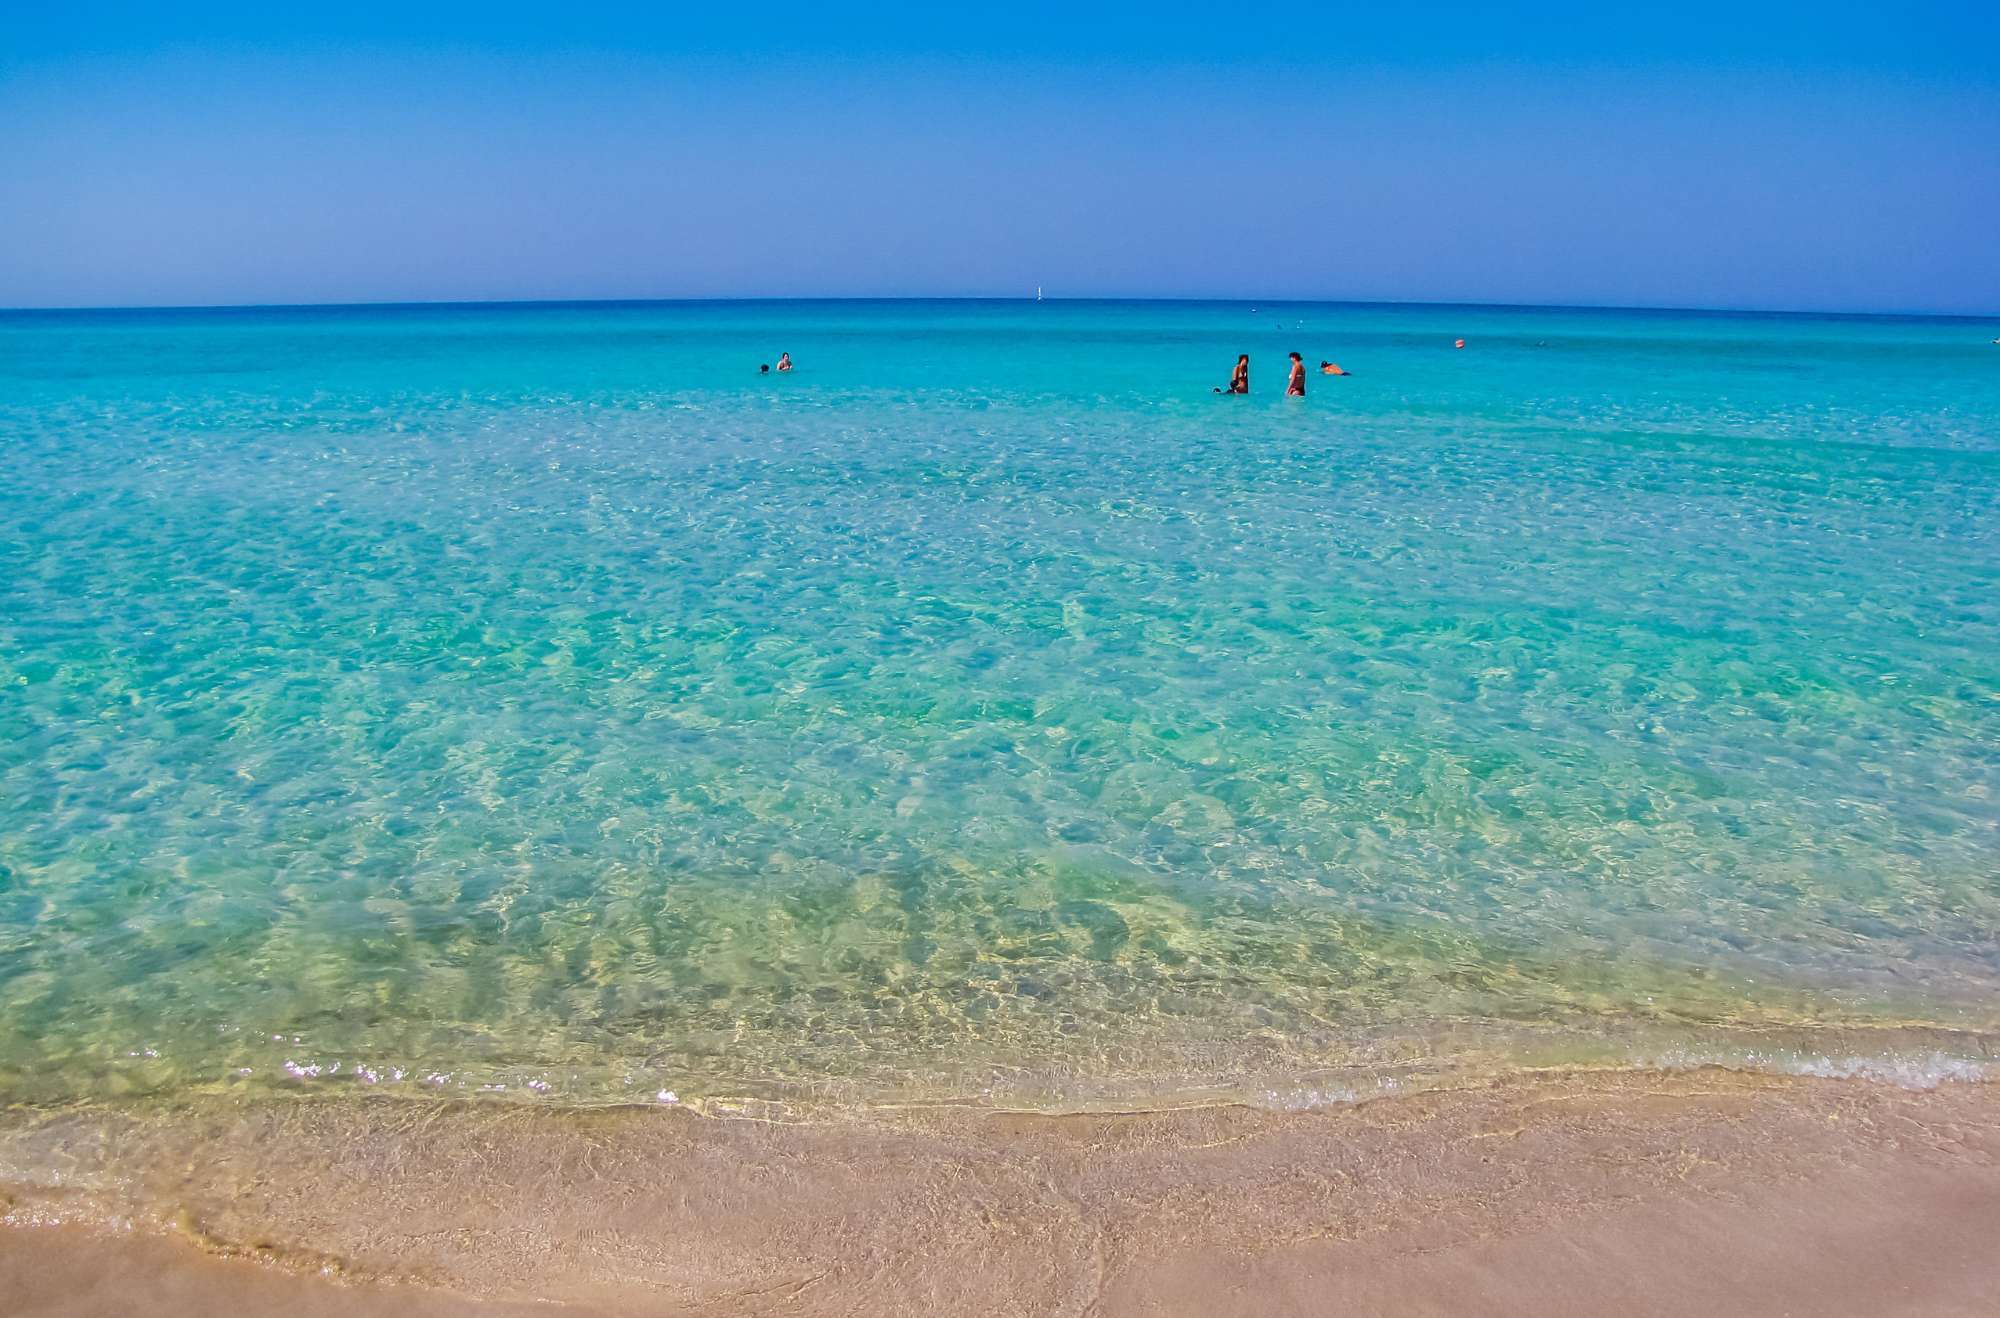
[(1705, 1192)]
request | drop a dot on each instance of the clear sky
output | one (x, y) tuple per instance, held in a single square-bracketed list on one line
[(1816, 156)]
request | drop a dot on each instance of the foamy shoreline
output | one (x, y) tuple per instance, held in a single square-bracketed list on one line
[(1552, 1192)]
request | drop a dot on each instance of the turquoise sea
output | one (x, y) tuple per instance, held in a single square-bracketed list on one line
[(539, 700)]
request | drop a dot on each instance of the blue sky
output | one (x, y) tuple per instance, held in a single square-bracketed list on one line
[(1836, 157)]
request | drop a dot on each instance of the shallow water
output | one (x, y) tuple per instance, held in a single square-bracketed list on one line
[(539, 697)]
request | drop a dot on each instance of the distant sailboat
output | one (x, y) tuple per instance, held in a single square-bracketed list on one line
[(1038, 292)]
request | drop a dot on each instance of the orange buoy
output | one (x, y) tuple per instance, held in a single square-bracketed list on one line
[(1458, 343)]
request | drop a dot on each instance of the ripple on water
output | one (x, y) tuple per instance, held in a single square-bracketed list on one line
[(425, 700)]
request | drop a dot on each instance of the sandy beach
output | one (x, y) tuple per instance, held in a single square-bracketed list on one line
[(1694, 1192)]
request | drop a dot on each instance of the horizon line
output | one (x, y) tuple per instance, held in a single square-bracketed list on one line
[(389, 304)]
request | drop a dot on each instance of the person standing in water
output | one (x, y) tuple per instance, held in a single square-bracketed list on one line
[(1239, 379), (784, 361), (1296, 386)]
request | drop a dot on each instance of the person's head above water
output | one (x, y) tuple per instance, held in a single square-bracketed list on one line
[(764, 368)]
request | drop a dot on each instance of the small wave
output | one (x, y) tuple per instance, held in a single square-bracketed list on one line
[(1304, 1100), (1906, 1071)]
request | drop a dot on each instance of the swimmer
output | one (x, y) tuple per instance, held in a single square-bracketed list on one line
[(1328, 368), (1296, 386), (764, 369), (1239, 379), (784, 361)]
